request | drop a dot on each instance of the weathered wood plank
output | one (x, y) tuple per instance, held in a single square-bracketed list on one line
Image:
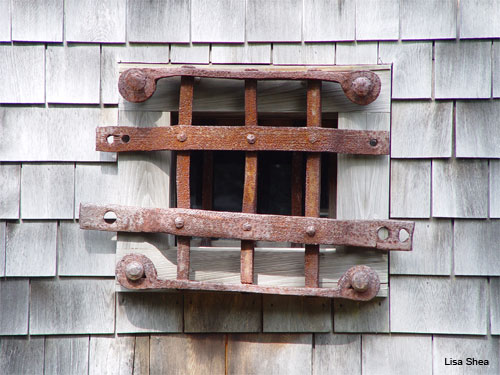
[(141, 355), (219, 21), (412, 69), (438, 305), (66, 355), (421, 129), (216, 312), (274, 21), (189, 53), (187, 354), (24, 67), (226, 95), (494, 188), (393, 354), (463, 348), (377, 19), (96, 21), (431, 253), (326, 20), (96, 183), (371, 316), (39, 199), (463, 70), (65, 72), (477, 249), (339, 354), (276, 353), (30, 249), (72, 306), (410, 188), (495, 305), (111, 55), (2, 248), (296, 314), (5, 20), (249, 53), (34, 134), (460, 188), (148, 312), (21, 356), (496, 69), (298, 54), (479, 19), (85, 253), (158, 21), (111, 355), (356, 53), (14, 305), (363, 181), (476, 133), (37, 22), (429, 19), (10, 190)]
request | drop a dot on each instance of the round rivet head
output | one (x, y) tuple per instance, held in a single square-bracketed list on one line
[(362, 86), (181, 137), (373, 142), (360, 281), (134, 270), (247, 227), (311, 231), (179, 222), (251, 138)]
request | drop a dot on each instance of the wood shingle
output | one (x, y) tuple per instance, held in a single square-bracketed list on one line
[(429, 19), (10, 183), (337, 353), (21, 356), (66, 355), (249, 53), (14, 307), (37, 21), (356, 53), (326, 20), (377, 19)]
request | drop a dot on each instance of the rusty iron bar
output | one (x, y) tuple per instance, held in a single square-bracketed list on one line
[(242, 138), (254, 227), (138, 85), (249, 204), (137, 272), (182, 175), (296, 187), (313, 185)]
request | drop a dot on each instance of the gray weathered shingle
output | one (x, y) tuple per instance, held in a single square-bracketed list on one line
[(438, 305), (14, 307), (356, 53), (412, 69), (460, 188), (249, 53), (494, 188), (274, 21), (477, 131), (463, 70), (66, 355), (24, 77), (495, 305), (21, 356), (2, 248), (428, 19), (431, 253), (84, 252), (158, 21), (410, 188), (30, 249), (72, 306), (99, 21), (73, 74), (37, 21), (111, 355), (396, 354), (39, 199), (5, 20), (479, 19), (377, 19), (190, 53), (309, 53), (336, 354), (218, 21), (496, 68), (326, 20), (10, 181), (353, 316), (421, 129)]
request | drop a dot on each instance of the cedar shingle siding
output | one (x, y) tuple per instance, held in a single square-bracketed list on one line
[(59, 311)]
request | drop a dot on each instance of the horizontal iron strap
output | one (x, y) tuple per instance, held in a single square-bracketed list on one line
[(361, 87), (244, 138), (243, 226)]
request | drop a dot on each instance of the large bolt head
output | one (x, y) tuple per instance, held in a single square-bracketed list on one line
[(179, 222), (362, 86), (134, 270), (360, 281)]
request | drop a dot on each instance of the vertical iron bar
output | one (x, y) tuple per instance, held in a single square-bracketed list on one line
[(250, 187), (182, 175), (313, 184)]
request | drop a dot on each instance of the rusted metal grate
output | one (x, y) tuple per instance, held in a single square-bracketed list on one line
[(136, 271)]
